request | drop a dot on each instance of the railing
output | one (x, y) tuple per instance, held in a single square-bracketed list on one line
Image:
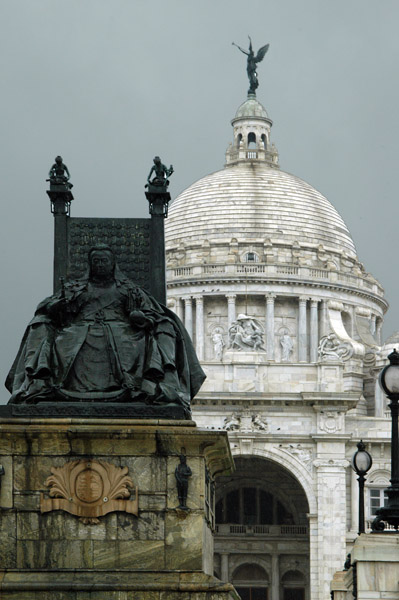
[(183, 271), (287, 270), (251, 268), (270, 271), (213, 269), (272, 530)]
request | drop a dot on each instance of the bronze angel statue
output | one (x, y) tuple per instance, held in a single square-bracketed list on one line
[(251, 64)]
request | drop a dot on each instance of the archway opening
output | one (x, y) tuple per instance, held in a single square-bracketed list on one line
[(262, 502), (251, 582), (293, 585), (251, 140)]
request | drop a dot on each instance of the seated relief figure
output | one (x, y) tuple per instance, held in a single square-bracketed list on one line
[(246, 333), (104, 338)]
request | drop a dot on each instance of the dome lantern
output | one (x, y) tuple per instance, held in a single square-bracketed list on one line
[(251, 126)]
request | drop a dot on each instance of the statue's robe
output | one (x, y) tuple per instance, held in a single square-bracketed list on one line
[(98, 350)]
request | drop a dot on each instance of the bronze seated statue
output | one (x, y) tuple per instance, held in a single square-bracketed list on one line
[(103, 338)]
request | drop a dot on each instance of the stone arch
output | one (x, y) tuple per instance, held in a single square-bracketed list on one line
[(251, 140), (378, 477), (264, 140), (250, 570), (292, 465), (239, 560), (250, 483)]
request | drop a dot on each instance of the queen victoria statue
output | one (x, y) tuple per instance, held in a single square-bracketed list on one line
[(104, 339)]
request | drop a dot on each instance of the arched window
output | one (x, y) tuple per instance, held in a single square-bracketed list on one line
[(264, 140), (293, 583), (239, 139), (251, 140), (251, 582), (251, 257)]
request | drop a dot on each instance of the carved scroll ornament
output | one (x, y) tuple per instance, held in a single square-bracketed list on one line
[(89, 489)]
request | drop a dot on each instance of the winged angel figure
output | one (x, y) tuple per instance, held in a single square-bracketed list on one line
[(251, 64)]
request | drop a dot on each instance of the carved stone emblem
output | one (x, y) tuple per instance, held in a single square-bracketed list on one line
[(89, 489)]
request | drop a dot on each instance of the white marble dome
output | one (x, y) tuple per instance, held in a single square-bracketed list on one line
[(251, 200), (251, 108)]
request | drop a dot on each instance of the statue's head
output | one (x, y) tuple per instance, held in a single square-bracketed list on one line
[(58, 160), (157, 160), (101, 262)]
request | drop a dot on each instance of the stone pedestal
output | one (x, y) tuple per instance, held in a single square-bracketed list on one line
[(69, 495), (374, 571)]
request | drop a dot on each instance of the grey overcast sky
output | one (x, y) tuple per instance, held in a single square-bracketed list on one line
[(110, 83)]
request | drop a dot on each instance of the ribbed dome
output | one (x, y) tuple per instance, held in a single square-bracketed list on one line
[(251, 201), (251, 108)]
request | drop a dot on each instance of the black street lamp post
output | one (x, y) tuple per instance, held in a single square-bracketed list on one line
[(389, 382), (361, 463)]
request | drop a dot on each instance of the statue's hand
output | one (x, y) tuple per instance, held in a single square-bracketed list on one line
[(138, 318), (58, 308)]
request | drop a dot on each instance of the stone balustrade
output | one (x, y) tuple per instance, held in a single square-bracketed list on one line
[(269, 530), (275, 271)]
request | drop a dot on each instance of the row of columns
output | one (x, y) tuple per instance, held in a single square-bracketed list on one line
[(270, 300)]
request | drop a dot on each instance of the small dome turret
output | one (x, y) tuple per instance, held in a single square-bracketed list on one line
[(251, 126)]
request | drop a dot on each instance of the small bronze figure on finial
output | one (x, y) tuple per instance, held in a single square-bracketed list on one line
[(251, 64), (182, 474), (59, 174), (161, 174)]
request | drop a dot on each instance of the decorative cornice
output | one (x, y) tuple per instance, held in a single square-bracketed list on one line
[(384, 305)]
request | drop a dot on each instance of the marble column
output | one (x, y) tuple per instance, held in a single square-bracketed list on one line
[(275, 579), (179, 308), (188, 315), (231, 309), (324, 319), (314, 330), (270, 326), (224, 567), (302, 330), (199, 326)]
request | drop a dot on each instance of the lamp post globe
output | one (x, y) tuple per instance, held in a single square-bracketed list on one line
[(389, 382), (361, 463)]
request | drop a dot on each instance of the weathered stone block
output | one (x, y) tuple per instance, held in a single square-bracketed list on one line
[(147, 472), (6, 500), (28, 526), (8, 540), (183, 541), (133, 554), (148, 526), (54, 554)]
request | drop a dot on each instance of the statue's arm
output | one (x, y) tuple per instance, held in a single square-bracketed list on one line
[(151, 172), (239, 47)]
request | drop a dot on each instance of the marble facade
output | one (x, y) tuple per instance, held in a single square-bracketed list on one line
[(251, 239)]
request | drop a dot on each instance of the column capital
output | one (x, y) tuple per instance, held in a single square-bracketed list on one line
[(187, 299), (198, 298), (270, 298), (231, 297), (314, 301), (303, 299)]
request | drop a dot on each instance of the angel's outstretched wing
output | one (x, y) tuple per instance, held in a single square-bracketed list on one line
[(261, 53)]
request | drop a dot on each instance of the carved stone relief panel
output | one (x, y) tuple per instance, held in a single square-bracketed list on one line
[(89, 489), (330, 421)]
